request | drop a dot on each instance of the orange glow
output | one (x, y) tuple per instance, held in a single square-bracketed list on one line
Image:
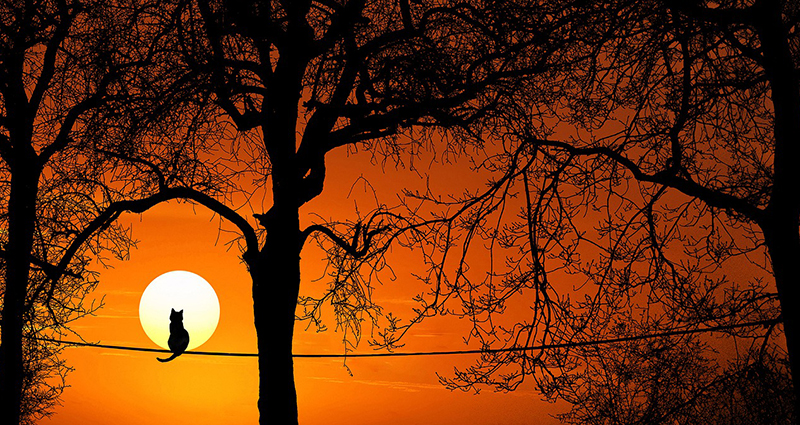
[(128, 388)]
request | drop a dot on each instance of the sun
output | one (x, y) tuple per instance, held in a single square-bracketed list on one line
[(179, 290)]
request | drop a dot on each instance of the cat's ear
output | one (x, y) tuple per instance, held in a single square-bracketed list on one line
[(181, 312), (173, 310)]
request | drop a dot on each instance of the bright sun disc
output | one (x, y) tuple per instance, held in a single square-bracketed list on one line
[(179, 290)]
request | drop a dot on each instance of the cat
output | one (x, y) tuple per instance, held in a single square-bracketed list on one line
[(178, 336)]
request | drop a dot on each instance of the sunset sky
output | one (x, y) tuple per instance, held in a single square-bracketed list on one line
[(128, 388), (601, 196)]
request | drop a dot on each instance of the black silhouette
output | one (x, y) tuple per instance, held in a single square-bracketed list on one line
[(67, 74), (178, 335), (705, 195), (359, 75), (350, 74)]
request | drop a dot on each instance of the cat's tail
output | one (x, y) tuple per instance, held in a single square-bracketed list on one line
[(168, 359)]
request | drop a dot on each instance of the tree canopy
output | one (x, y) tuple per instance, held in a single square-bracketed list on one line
[(639, 187)]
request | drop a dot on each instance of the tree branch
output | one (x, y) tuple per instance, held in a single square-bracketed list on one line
[(712, 197), (48, 63), (719, 15), (115, 209), (350, 247), (44, 265)]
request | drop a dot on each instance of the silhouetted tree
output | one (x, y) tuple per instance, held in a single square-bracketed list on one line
[(302, 78), (658, 161), (44, 371), (669, 380), (90, 127)]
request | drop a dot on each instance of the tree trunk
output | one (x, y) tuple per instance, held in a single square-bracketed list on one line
[(21, 220), (783, 243), (276, 276), (781, 223), (276, 284)]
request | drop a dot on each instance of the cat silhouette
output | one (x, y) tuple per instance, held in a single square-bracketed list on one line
[(178, 336)]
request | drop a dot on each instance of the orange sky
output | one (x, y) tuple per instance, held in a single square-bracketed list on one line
[(127, 388)]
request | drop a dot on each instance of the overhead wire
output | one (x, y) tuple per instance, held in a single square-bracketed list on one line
[(571, 344)]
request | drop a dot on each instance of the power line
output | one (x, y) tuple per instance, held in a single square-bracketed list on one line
[(438, 353)]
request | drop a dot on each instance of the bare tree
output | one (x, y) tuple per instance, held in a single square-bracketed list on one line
[(88, 96), (300, 79), (44, 370), (643, 184)]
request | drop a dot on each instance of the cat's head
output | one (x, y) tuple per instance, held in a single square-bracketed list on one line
[(175, 315)]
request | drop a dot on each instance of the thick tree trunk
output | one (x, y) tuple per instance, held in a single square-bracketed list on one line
[(276, 276), (275, 290), (21, 220), (783, 243), (276, 298), (781, 223), (276, 284)]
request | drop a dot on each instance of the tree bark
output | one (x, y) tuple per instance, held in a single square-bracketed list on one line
[(276, 275), (21, 221), (783, 244), (781, 222), (276, 284)]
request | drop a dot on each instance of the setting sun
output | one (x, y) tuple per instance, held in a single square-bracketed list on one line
[(182, 291)]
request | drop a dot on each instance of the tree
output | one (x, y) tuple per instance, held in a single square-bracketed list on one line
[(300, 79), (663, 155), (674, 381), (89, 106)]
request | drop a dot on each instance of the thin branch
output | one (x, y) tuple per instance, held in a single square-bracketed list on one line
[(49, 269), (110, 214), (712, 197)]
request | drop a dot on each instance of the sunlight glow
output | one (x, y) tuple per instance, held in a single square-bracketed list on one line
[(179, 290)]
